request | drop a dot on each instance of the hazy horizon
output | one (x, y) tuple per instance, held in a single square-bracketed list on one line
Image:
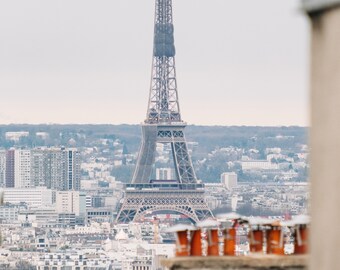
[(138, 124), (239, 63)]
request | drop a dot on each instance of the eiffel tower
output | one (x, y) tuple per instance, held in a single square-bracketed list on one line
[(163, 125)]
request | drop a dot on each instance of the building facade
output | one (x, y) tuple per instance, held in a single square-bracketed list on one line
[(72, 157), (63, 169), (259, 165), (229, 180), (71, 202), (16, 135), (39, 167), (38, 196), (2, 168), (164, 174), (9, 176), (55, 168), (22, 168)]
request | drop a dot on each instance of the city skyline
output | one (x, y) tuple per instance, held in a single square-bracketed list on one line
[(94, 58)]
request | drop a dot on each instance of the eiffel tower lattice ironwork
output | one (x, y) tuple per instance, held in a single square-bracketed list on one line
[(164, 125)]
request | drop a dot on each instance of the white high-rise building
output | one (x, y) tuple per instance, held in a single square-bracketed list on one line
[(164, 174), (71, 202), (22, 169), (38, 167), (2, 168), (62, 168), (56, 169), (72, 169), (229, 180)]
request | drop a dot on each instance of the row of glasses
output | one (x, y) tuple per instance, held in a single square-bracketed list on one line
[(265, 235)]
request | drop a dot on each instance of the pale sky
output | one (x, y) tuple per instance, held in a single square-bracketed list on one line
[(241, 62)]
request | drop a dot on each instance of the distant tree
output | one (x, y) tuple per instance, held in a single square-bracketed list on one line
[(222, 210), (125, 149), (274, 160), (248, 210), (123, 173), (110, 136), (24, 265)]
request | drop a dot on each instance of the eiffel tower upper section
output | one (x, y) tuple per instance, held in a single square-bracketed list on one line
[(163, 106)]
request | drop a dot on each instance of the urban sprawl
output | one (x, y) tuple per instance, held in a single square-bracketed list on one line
[(60, 203)]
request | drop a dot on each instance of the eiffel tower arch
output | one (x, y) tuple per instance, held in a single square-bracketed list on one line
[(187, 202), (164, 125)]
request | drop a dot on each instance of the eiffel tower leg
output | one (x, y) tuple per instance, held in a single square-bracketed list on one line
[(126, 215), (183, 163), (129, 209), (146, 155)]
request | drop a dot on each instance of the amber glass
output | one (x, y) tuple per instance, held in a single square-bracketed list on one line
[(213, 242), (230, 242), (300, 245), (274, 241), (256, 240), (182, 244), (196, 243)]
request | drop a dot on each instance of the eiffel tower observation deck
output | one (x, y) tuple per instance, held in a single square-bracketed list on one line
[(163, 125)]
